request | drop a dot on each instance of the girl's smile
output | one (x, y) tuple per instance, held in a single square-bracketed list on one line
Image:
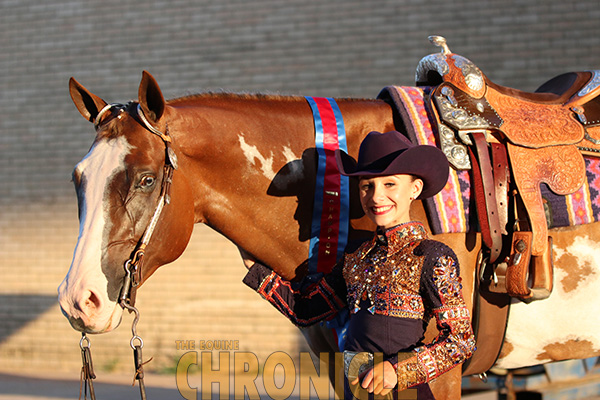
[(386, 199), (381, 210)]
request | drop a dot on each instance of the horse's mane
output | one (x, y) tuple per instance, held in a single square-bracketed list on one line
[(112, 129), (224, 95)]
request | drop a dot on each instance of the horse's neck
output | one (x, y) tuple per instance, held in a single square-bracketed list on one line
[(251, 163)]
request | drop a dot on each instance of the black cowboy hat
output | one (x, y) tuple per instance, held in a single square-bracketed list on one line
[(391, 153)]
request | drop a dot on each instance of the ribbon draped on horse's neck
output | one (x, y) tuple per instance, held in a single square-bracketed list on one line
[(331, 210), (330, 221)]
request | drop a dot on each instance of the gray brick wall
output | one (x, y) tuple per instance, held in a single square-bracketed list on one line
[(343, 48)]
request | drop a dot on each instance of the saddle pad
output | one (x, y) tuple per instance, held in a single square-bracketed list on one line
[(451, 210), (581, 207)]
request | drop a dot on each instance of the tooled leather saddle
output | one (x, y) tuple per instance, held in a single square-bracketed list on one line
[(507, 134)]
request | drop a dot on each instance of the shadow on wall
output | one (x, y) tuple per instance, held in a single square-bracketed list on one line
[(18, 310)]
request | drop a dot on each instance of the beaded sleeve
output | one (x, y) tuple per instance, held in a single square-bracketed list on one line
[(442, 293), (306, 306)]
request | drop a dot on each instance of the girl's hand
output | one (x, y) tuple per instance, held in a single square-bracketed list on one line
[(380, 383), (248, 260)]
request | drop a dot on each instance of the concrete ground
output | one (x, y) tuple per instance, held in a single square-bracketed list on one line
[(48, 386), (54, 386)]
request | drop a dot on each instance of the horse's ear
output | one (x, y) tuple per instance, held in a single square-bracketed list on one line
[(151, 98), (87, 103)]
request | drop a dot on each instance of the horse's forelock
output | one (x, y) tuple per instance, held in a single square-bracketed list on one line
[(114, 127)]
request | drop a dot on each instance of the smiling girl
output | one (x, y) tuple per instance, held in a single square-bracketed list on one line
[(392, 284)]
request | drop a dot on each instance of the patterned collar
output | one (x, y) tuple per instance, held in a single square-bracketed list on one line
[(399, 236), (386, 264)]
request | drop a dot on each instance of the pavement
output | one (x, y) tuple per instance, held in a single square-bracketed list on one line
[(52, 386), (55, 386), (61, 386)]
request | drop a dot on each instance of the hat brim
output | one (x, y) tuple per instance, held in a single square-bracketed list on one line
[(425, 162)]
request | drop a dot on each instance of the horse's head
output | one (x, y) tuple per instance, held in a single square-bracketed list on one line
[(120, 186)]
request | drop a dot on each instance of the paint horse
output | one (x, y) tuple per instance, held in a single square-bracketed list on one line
[(246, 167)]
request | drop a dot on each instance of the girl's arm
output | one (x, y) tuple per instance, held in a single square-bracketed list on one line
[(303, 305), (442, 296)]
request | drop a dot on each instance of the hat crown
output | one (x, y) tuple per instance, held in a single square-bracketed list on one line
[(392, 153), (378, 149)]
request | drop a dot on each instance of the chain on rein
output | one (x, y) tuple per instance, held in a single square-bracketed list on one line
[(133, 266)]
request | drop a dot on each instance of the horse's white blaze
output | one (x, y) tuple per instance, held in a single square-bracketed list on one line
[(565, 315), (85, 274)]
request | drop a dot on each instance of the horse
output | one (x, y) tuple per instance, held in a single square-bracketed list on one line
[(246, 166)]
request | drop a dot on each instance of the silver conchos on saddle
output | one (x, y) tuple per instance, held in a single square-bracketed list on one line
[(591, 85), (586, 104), (433, 62), (461, 114), (459, 101), (472, 77), (455, 151)]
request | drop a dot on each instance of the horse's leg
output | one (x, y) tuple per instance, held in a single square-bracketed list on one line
[(447, 386), (321, 339)]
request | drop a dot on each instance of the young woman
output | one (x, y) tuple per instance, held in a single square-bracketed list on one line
[(395, 282)]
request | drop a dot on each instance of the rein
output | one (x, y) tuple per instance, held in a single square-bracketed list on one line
[(133, 266)]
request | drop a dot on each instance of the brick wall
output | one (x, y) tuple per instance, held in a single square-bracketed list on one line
[(337, 48)]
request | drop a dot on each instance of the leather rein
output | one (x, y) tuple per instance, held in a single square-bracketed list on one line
[(133, 266)]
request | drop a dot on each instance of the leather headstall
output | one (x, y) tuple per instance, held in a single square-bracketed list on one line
[(133, 266)]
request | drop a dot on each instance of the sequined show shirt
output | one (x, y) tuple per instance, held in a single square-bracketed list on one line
[(392, 285)]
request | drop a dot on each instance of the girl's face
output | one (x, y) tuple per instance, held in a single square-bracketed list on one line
[(386, 199)]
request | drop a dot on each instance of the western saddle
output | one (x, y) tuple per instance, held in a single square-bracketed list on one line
[(507, 134)]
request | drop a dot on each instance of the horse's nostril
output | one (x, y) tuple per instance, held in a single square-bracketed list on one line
[(89, 304), (93, 301)]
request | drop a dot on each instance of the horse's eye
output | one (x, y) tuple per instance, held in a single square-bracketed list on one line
[(147, 181)]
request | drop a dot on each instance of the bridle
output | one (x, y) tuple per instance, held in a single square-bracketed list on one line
[(133, 266)]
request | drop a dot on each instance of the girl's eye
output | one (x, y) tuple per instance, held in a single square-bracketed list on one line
[(390, 184)]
